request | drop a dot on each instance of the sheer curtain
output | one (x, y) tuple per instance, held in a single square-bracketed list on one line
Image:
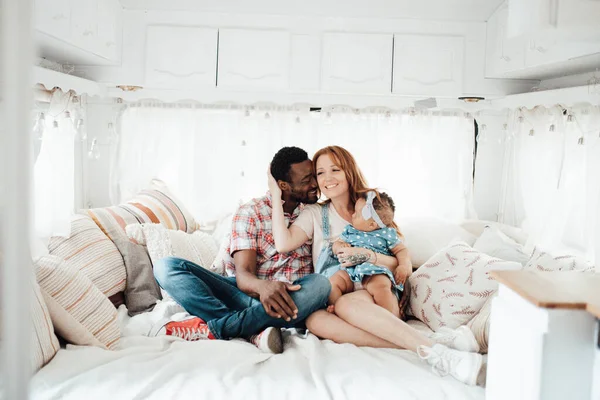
[(214, 158), (54, 190), (552, 177)]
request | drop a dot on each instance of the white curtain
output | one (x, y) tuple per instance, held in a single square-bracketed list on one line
[(54, 167), (552, 177), (214, 158)]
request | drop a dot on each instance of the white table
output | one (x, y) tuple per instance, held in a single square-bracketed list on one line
[(543, 336)]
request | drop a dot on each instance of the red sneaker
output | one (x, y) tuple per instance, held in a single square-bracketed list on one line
[(268, 341), (190, 329)]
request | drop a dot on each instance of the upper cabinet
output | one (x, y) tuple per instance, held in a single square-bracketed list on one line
[(428, 65), (252, 58), (561, 19), (79, 31), (357, 63), (530, 54), (181, 56)]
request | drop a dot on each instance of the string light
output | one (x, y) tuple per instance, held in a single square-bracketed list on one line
[(94, 153), (38, 127)]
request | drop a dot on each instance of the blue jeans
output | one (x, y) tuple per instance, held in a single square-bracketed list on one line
[(229, 312)]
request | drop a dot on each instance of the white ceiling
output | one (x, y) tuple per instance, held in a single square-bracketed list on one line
[(458, 10)]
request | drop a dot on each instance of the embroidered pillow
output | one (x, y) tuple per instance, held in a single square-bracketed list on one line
[(452, 286), (542, 261)]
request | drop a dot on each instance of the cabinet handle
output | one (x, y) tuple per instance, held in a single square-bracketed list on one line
[(505, 58), (58, 17), (110, 44), (541, 49), (88, 33)]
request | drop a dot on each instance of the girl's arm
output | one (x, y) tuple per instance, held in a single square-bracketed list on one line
[(285, 239), (351, 256), (404, 269)]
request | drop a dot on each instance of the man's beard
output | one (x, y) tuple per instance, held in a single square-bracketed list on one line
[(304, 197)]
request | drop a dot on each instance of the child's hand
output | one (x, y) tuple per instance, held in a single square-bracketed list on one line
[(338, 245), (274, 188), (402, 273)]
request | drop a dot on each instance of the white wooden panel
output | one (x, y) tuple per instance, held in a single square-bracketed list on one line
[(551, 50), (254, 59), (181, 56), (428, 65), (305, 71), (357, 63), (53, 17), (84, 24), (108, 28), (503, 53)]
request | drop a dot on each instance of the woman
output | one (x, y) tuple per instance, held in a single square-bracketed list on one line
[(357, 319)]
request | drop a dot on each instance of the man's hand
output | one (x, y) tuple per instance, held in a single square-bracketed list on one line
[(277, 301), (338, 245)]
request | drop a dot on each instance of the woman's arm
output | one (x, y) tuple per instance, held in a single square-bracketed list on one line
[(285, 239), (351, 256)]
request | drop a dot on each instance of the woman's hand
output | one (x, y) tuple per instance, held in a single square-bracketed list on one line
[(274, 188), (351, 256)]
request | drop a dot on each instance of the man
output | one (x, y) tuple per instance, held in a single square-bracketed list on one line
[(265, 290)]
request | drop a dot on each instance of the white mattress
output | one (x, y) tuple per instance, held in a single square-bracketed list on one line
[(166, 368)]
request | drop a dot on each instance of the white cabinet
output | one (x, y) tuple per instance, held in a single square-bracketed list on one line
[(504, 54), (79, 31), (181, 56), (357, 63), (429, 65), (258, 59), (548, 50)]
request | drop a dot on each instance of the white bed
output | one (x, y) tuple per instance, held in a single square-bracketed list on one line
[(166, 368)]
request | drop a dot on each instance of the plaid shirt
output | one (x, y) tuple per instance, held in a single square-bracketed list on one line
[(251, 229)]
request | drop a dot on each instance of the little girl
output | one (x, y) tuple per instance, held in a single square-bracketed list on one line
[(372, 228)]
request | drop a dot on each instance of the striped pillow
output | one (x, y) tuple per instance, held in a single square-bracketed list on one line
[(44, 343), (93, 254), (156, 205), (79, 311)]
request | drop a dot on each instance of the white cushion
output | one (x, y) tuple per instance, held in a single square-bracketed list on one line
[(452, 286), (425, 236), (197, 247), (476, 227), (543, 261), (496, 244)]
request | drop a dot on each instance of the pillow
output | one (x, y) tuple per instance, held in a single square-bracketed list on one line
[(496, 244), (452, 286), (92, 253), (480, 325), (425, 236), (476, 227), (44, 343), (155, 205), (542, 261), (80, 312), (197, 247)]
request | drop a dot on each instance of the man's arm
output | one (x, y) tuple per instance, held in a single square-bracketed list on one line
[(273, 295)]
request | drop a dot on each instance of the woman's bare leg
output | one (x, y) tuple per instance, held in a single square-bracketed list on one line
[(380, 287), (358, 309), (330, 326)]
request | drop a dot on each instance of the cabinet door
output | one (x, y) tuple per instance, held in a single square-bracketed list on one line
[(357, 63), (109, 17), (254, 59), (549, 50), (428, 65), (84, 24), (503, 53), (181, 56), (53, 17)]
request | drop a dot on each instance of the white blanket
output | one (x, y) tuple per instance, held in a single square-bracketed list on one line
[(167, 368)]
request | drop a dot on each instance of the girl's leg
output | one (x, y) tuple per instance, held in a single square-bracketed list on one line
[(380, 287), (330, 326), (340, 284), (358, 309)]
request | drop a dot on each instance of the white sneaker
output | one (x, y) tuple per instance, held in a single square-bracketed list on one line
[(460, 338), (269, 341), (463, 366)]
